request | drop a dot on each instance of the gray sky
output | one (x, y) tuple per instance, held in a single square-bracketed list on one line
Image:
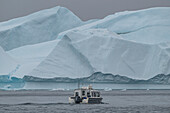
[(85, 9)]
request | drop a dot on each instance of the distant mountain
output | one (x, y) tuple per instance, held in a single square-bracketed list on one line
[(99, 77), (56, 79), (160, 79)]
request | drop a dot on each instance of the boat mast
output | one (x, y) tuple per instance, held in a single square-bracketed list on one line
[(78, 83)]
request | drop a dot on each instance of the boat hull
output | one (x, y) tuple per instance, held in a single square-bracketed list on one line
[(95, 100), (90, 100)]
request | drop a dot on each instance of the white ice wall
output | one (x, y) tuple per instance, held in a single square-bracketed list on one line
[(82, 53), (39, 27), (7, 64)]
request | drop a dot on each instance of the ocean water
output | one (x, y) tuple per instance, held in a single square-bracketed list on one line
[(55, 101), (105, 86), (71, 86)]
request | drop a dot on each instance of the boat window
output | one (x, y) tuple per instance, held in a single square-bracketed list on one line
[(83, 93), (88, 94), (77, 94), (97, 94), (94, 93)]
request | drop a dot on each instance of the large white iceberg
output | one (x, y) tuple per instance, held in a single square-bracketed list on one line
[(135, 44), (38, 27), (81, 53)]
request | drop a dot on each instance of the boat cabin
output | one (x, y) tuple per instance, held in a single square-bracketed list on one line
[(85, 95)]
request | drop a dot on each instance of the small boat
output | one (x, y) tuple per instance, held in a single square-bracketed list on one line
[(86, 95)]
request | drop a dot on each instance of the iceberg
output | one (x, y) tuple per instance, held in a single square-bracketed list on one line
[(30, 56), (150, 26), (38, 27), (82, 53), (135, 44), (7, 83), (8, 67)]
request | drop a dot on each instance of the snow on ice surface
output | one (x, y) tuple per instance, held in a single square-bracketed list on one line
[(150, 35), (38, 27), (7, 64), (65, 60), (150, 26), (30, 56), (81, 53)]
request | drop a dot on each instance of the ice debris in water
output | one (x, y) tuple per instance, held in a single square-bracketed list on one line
[(107, 89)]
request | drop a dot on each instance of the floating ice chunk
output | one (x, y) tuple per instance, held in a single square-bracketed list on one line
[(107, 89), (123, 89)]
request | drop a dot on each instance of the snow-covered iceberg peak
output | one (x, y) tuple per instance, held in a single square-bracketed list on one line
[(149, 26), (38, 27)]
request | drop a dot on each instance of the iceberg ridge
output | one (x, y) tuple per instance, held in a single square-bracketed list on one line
[(38, 27)]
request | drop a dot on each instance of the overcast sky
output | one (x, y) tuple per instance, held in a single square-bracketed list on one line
[(85, 9)]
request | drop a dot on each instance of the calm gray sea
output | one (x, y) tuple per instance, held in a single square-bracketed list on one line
[(56, 101)]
